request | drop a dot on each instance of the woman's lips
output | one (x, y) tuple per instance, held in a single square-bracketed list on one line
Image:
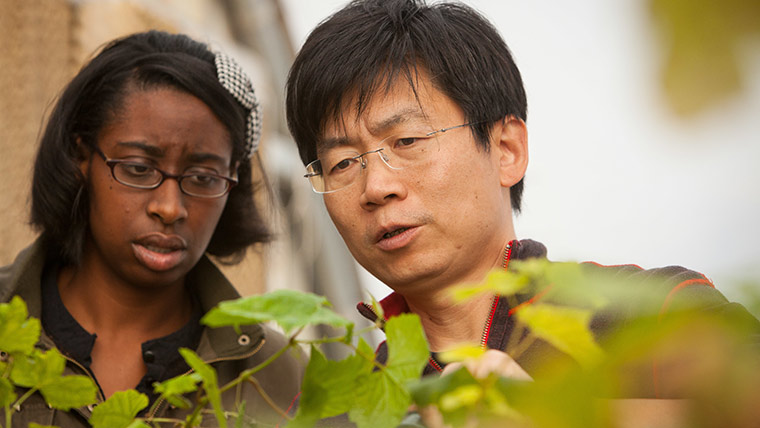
[(159, 252)]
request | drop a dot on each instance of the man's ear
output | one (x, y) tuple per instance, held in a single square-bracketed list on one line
[(512, 149)]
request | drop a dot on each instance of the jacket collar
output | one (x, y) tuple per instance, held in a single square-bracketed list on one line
[(395, 304), (23, 278)]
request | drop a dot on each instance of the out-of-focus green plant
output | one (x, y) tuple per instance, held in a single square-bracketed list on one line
[(707, 357), (22, 365), (371, 394), (704, 40), (710, 359)]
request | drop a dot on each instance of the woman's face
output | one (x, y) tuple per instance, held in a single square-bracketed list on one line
[(150, 238)]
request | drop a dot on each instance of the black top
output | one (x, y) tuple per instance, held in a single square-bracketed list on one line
[(161, 356)]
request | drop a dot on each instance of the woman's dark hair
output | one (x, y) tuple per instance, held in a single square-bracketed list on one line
[(60, 208), (369, 44)]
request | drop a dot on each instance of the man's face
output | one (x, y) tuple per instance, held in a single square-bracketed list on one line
[(152, 238), (442, 221)]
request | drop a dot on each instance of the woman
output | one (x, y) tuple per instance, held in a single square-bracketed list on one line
[(144, 167)]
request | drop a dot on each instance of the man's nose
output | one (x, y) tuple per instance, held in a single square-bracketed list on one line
[(381, 182)]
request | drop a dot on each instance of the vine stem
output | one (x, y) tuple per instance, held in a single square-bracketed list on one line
[(23, 398), (253, 370), (267, 398)]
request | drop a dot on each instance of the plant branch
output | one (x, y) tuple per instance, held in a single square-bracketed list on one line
[(23, 398), (267, 398), (253, 370)]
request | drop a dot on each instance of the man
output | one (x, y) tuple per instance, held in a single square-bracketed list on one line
[(411, 121)]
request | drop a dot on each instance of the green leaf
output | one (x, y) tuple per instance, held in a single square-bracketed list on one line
[(462, 396), (44, 371), (38, 368), (329, 387), (407, 347), (461, 353), (7, 394), (289, 308), (377, 308), (428, 391), (36, 425), (173, 389), (565, 328), (380, 402), (498, 281), (137, 423), (18, 334), (119, 411), (210, 383), (382, 399), (69, 392), (240, 420)]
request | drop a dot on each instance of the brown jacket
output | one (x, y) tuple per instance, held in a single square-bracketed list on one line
[(228, 352)]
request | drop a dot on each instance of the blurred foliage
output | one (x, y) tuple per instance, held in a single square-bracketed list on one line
[(704, 41), (709, 357)]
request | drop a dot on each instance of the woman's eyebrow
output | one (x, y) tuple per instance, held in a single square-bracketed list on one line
[(158, 152), (203, 157), (149, 149)]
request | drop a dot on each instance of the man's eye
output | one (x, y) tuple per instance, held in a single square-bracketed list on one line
[(342, 165), (406, 141)]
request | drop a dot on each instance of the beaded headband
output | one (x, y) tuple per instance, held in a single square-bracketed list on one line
[(234, 80)]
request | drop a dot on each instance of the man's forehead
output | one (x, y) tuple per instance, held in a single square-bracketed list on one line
[(382, 113)]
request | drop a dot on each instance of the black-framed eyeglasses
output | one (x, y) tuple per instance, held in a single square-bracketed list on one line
[(339, 168), (142, 176)]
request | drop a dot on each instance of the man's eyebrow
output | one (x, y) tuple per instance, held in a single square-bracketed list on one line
[(399, 117), (406, 115), (331, 143)]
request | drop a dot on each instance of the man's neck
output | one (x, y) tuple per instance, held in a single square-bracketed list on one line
[(448, 323)]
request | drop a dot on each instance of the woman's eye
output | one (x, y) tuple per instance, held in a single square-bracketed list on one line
[(137, 170), (203, 180)]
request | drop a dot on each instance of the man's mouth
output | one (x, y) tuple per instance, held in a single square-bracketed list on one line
[(394, 233)]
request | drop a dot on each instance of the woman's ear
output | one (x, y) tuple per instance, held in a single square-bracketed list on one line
[(513, 150), (83, 156)]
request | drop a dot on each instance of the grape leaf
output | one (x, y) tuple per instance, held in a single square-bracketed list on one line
[(172, 390), (565, 328), (289, 308), (18, 334), (69, 392), (210, 383), (119, 411)]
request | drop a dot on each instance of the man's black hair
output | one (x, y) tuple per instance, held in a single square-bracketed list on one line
[(369, 45), (154, 59)]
